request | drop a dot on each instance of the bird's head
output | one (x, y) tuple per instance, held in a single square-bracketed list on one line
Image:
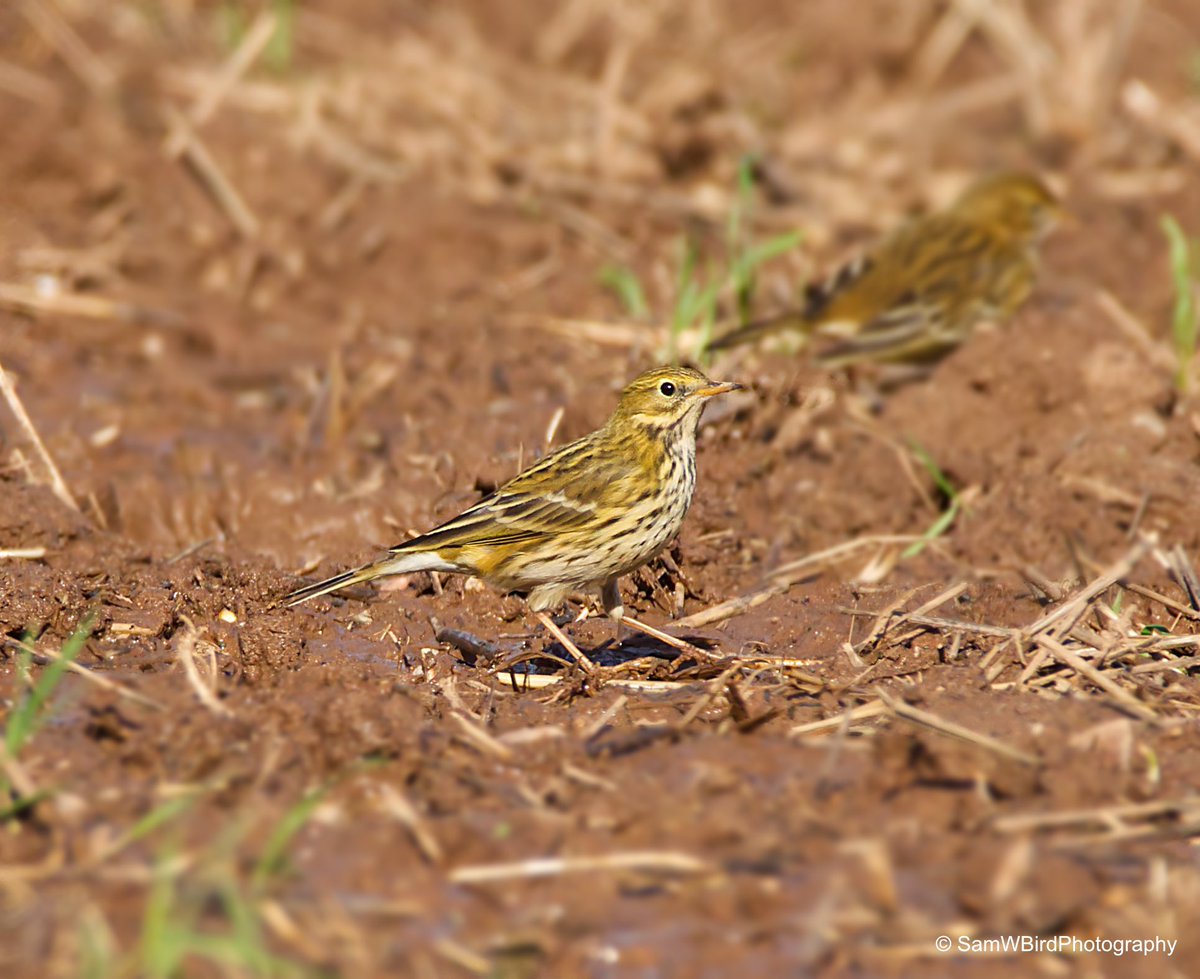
[(667, 399), (1018, 205)]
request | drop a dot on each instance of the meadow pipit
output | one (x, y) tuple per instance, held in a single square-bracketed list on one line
[(579, 518), (924, 288)]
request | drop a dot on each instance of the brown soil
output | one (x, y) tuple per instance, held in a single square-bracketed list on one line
[(432, 191)]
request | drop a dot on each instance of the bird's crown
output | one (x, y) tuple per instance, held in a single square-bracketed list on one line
[(1016, 203), (663, 394)]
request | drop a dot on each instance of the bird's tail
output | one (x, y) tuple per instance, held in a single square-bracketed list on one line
[(396, 564), (793, 320), (810, 315)]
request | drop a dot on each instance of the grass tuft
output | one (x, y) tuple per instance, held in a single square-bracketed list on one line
[(203, 907), (695, 302), (746, 256), (174, 930), (699, 291)]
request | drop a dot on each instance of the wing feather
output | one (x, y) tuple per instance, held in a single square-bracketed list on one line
[(559, 494), (915, 302)]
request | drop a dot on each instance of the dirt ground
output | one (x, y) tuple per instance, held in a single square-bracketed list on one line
[(270, 315)]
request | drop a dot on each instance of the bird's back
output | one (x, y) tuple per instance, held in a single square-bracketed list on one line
[(917, 294)]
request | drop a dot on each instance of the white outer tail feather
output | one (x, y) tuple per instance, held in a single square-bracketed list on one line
[(396, 564)]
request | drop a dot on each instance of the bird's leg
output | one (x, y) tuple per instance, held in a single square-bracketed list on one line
[(864, 386), (610, 598), (570, 647), (610, 595)]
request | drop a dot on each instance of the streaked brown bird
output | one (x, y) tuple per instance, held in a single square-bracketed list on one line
[(581, 517), (922, 291)]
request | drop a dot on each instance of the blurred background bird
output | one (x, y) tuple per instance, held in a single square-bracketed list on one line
[(923, 289), (582, 516)]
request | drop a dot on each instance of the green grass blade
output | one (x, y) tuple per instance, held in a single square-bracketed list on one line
[(940, 480), (27, 716), (743, 273), (271, 859), (624, 282), (230, 25), (19, 720), (1183, 319), (936, 529), (743, 201), (740, 273), (163, 944), (281, 47), (946, 519), (97, 956), (686, 291), (705, 316), (771, 249), (23, 804), (247, 939), (160, 815)]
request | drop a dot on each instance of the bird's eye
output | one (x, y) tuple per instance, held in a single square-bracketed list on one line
[(667, 388)]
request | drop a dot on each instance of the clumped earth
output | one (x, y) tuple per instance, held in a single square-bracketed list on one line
[(271, 314)]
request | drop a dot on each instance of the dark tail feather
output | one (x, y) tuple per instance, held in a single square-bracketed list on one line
[(791, 320), (807, 316), (402, 561), (328, 585)]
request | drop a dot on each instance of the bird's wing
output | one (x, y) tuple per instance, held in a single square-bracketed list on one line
[(562, 492), (925, 287)]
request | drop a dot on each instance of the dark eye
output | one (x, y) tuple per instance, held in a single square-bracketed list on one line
[(667, 388)]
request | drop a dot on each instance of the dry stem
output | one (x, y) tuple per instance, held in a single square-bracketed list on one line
[(57, 483)]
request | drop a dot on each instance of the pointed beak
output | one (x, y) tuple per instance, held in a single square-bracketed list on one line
[(711, 390)]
